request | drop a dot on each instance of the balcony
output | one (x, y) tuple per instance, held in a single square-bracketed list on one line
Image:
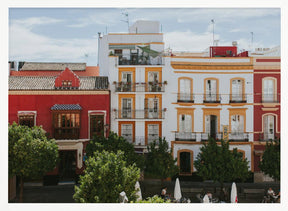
[(205, 136), (66, 133), (238, 98), (135, 59), (185, 98), (238, 137), (140, 141), (269, 137), (139, 87), (185, 136), (140, 114), (211, 98), (270, 98)]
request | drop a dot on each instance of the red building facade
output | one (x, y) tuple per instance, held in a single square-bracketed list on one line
[(69, 107), (266, 105)]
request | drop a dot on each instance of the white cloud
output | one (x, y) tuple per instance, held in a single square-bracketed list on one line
[(26, 45), (30, 22), (235, 30)]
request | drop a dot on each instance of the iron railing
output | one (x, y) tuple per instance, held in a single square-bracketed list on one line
[(66, 133), (139, 87), (185, 98), (270, 98), (268, 137), (212, 98), (129, 59), (238, 98), (216, 136), (238, 137), (140, 114), (185, 136)]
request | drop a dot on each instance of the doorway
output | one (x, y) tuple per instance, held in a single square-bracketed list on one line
[(67, 165), (213, 126), (185, 163)]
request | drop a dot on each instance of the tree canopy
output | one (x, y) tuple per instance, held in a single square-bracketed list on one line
[(159, 162), (270, 163), (218, 163), (107, 174), (31, 153), (112, 144)]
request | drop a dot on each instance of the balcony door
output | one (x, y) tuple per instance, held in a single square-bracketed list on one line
[(211, 125), (211, 90), (153, 132), (126, 108), (269, 90), (237, 87), (269, 127), (185, 163), (127, 132), (152, 108), (153, 81), (127, 81), (185, 90)]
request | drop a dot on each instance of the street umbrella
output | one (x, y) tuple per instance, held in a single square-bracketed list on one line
[(138, 191), (234, 198), (206, 199), (177, 190)]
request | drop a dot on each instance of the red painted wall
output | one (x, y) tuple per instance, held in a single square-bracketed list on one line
[(43, 103), (222, 51)]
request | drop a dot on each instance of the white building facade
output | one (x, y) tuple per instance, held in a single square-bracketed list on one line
[(185, 99)]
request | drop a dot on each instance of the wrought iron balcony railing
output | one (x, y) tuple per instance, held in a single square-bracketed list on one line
[(269, 137), (185, 136), (140, 114), (211, 98), (238, 98), (270, 98), (134, 59), (205, 136), (141, 140), (238, 137), (185, 98), (139, 87), (66, 133)]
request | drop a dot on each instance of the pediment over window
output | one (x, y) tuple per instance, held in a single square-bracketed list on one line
[(67, 79)]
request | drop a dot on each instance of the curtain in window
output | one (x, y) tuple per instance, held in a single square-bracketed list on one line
[(211, 90), (269, 127), (269, 91), (185, 89), (127, 132), (237, 90)]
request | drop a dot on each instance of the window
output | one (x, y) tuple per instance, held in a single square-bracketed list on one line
[(66, 125), (152, 108), (27, 120), (66, 83), (127, 81), (153, 80), (126, 108), (237, 90), (185, 90), (211, 90), (269, 127), (185, 123), (127, 132), (153, 132), (237, 124), (96, 125), (269, 91)]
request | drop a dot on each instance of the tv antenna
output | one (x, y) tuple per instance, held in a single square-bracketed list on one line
[(252, 36), (126, 16), (213, 22)]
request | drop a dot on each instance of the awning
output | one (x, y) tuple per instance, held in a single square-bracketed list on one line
[(66, 107)]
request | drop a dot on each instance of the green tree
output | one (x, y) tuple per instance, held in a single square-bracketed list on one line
[(112, 144), (106, 175), (270, 163), (218, 163), (31, 153), (159, 162), (153, 199)]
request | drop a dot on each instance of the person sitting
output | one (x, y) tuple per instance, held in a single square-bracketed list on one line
[(271, 194), (163, 193)]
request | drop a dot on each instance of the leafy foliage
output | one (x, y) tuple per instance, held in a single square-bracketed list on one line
[(154, 199), (106, 175), (31, 153), (159, 162), (270, 163), (218, 163), (112, 144)]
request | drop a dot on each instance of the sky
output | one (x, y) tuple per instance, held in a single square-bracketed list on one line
[(70, 34)]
